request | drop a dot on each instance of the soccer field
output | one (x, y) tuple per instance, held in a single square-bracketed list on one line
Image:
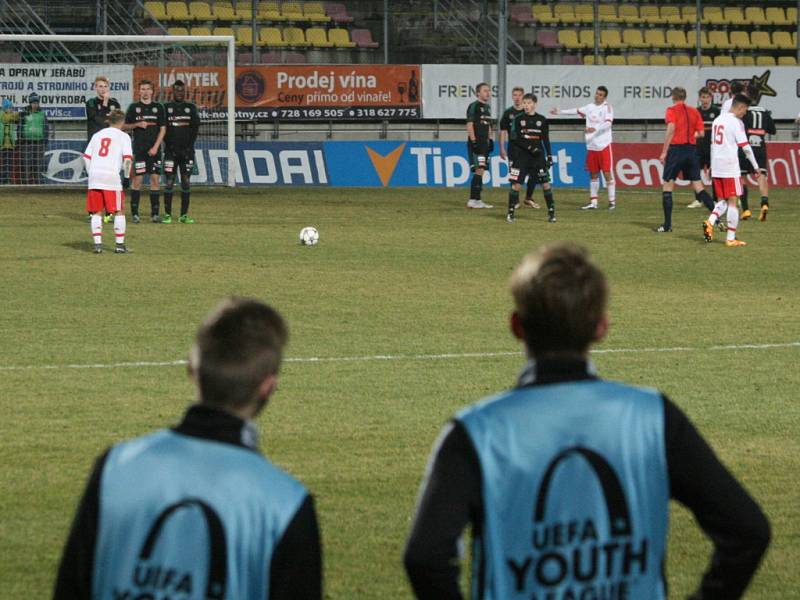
[(397, 319)]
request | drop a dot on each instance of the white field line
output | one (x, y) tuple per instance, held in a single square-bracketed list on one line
[(399, 357)]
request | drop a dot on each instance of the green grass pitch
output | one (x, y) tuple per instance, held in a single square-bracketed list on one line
[(407, 274)]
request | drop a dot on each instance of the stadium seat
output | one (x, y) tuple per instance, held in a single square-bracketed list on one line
[(315, 12), (588, 59), (223, 31), (676, 38), (244, 36), (787, 61), (244, 58), (177, 31), (568, 38), (741, 40), (637, 59), (271, 58), (791, 16), (292, 11), (271, 36), (615, 59), (223, 11), (680, 60), (243, 11), (775, 15), (294, 36), (611, 38), (761, 39), (571, 59), (338, 12), (723, 60), (318, 38), (654, 38), (269, 11), (651, 15), (719, 40), (782, 40), (200, 31), (744, 60), (659, 60), (689, 15), (733, 15), (363, 38), (629, 14), (177, 58), (754, 15), (519, 13), (547, 39), (564, 13), (341, 38), (177, 11), (148, 31), (607, 13), (586, 38), (584, 13), (295, 58), (633, 38), (765, 61), (705, 60), (543, 13), (713, 15), (200, 11), (671, 15), (157, 10)]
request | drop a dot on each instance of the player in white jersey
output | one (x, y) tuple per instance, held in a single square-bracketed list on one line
[(599, 117), (737, 87), (727, 136), (108, 152)]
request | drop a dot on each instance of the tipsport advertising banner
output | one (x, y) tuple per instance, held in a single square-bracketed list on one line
[(63, 89), (633, 92), (299, 92)]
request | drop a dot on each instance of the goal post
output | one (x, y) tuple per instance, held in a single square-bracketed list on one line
[(217, 138)]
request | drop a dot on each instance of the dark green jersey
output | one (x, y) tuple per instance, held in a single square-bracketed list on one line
[(480, 115), (96, 115), (154, 115), (758, 124), (708, 114), (183, 123), (530, 133), (508, 116)]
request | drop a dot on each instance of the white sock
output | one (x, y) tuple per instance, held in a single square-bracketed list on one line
[(719, 209), (119, 228), (594, 189), (733, 221), (97, 228), (612, 191)]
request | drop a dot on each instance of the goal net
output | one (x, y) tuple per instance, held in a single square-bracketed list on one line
[(45, 87)]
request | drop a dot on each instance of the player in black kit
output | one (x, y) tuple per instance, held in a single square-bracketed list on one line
[(505, 123), (479, 142), (183, 123), (757, 124), (146, 147), (531, 156), (709, 111)]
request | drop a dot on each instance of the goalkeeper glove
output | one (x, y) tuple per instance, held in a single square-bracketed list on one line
[(549, 160)]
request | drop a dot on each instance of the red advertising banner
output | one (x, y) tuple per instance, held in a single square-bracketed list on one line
[(637, 165), (298, 92)]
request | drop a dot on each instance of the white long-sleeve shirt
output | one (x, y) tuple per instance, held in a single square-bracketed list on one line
[(600, 117), (104, 155), (727, 136)]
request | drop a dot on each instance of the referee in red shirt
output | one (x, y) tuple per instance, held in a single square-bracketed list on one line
[(684, 125)]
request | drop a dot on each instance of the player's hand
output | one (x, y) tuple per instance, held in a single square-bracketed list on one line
[(590, 130), (554, 110), (662, 157), (503, 153), (153, 151), (549, 160), (126, 182), (141, 124), (491, 146)]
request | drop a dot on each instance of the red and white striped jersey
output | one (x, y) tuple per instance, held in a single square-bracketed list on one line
[(727, 136), (599, 117), (104, 155)]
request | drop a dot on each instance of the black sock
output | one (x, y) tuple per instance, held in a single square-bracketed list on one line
[(135, 202), (530, 189), (167, 202), (551, 205), (475, 187), (666, 203), (745, 195), (702, 196), (154, 204), (513, 200), (184, 202), (764, 200)]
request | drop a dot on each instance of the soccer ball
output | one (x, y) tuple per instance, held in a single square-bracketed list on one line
[(309, 236)]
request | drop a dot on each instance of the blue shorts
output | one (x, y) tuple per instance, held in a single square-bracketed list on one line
[(682, 158)]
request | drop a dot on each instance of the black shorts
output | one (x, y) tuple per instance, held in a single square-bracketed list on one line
[(527, 165), (479, 159), (704, 155), (761, 158), (681, 158), (179, 161), (143, 163)]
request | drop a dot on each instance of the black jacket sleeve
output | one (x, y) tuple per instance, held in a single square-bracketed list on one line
[(449, 500), (546, 137), (736, 525), (296, 568), (74, 579)]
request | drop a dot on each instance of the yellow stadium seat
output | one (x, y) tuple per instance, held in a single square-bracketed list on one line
[(157, 10), (689, 15), (586, 38), (719, 40), (705, 60), (713, 15), (733, 15), (671, 15), (676, 38), (680, 60), (741, 39), (744, 60), (633, 38), (610, 38), (588, 59), (243, 10), (637, 59), (584, 13), (765, 61), (223, 11), (244, 36), (318, 38), (787, 61), (341, 38), (544, 14), (177, 11), (292, 11), (271, 36), (615, 59), (223, 31), (775, 15), (564, 13), (269, 11), (782, 40), (294, 36), (200, 11), (794, 39), (315, 12), (651, 15), (607, 13), (654, 38), (761, 39), (791, 16), (754, 15), (569, 38), (723, 60), (177, 31), (200, 31), (659, 60), (629, 14)]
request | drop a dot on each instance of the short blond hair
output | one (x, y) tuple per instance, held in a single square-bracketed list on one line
[(101, 78)]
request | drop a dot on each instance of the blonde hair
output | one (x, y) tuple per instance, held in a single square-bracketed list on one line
[(101, 78)]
